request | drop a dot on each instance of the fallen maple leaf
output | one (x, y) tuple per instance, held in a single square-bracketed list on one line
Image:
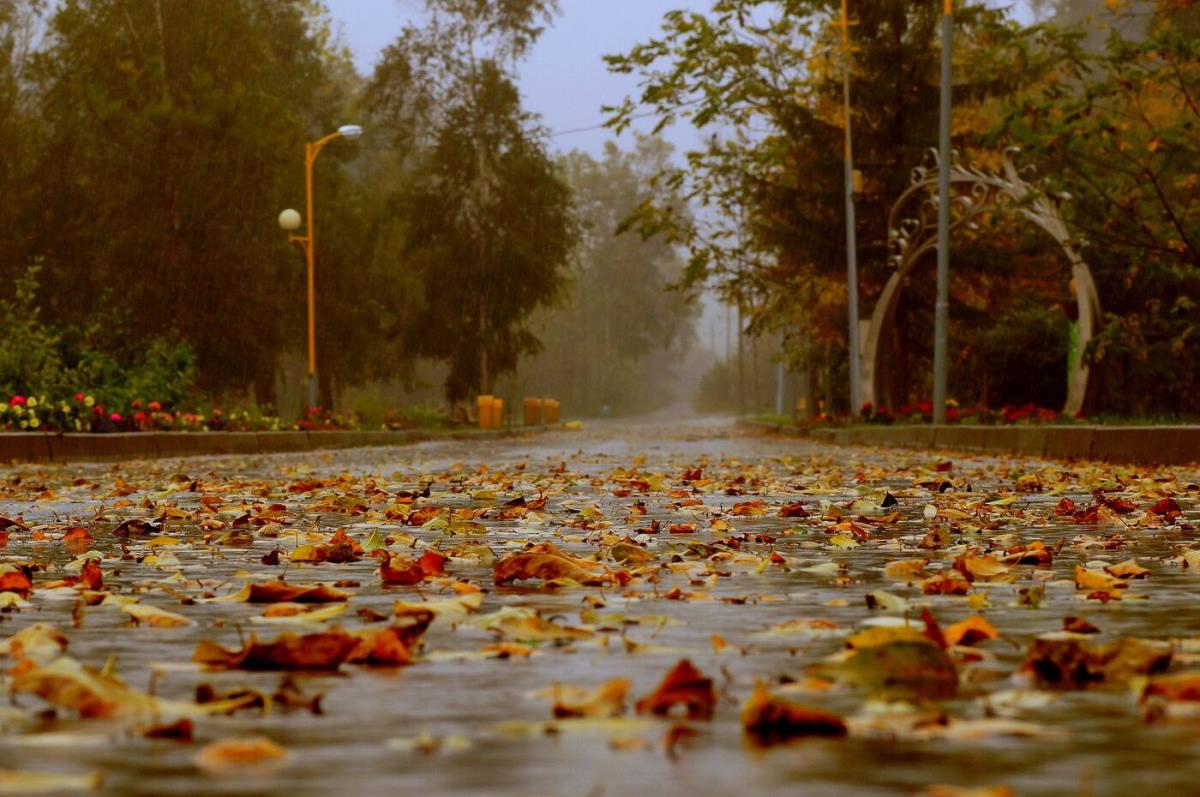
[(546, 563), (970, 631), (1068, 662), (684, 684), (769, 720)]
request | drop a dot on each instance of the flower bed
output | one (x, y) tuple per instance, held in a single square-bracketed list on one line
[(82, 413)]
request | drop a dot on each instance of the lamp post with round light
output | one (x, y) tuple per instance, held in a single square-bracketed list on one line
[(289, 221)]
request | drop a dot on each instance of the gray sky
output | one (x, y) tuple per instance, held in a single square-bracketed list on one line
[(564, 79)]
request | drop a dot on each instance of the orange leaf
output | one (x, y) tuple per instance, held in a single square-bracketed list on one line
[(770, 720), (547, 563), (15, 581), (970, 631), (400, 570), (280, 592), (683, 684)]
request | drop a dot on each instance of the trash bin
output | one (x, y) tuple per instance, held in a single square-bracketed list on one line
[(497, 412), (533, 411), (483, 410), (550, 410)]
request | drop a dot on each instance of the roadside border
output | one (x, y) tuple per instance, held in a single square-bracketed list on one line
[(1139, 445), (22, 447)]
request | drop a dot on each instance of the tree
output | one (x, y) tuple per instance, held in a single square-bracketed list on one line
[(487, 217), (763, 79), (172, 133), (1118, 132)]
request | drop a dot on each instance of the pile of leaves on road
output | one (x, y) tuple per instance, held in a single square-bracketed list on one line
[(790, 599)]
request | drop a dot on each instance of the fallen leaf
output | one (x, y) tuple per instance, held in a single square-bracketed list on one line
[(240, 753), (769, 720), (685, 685)]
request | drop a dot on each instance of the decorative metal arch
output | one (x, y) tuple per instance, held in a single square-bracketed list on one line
[(913, 231)]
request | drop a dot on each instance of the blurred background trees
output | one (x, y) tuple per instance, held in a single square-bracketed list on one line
[(148, 146)]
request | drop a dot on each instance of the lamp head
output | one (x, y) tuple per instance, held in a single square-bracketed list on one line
[(350, 131), (289, 220)]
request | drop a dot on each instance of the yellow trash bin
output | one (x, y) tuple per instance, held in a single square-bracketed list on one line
[(550, 410), (497, 412), (483, 409), (533, 411)]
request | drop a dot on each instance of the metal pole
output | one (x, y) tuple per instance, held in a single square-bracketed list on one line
[(780, 374), (310, 156), (851, 240), (942, 307)]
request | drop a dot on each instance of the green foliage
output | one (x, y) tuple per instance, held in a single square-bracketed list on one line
[(487, 217), (40, 359), (764, 81), (1117, 132), (30, 361), (1022, 356)]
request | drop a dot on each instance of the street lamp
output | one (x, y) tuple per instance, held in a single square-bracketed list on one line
[(289, 221)]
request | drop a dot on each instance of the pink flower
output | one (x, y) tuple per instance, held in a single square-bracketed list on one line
[(115, 417), (17, 401)]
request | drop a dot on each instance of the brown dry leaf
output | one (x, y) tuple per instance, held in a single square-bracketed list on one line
[(527, 625), (1096, 580), (240, 753), (400, 570), (1127, 569), (40, 643), (947, 583), (903, 668), (606, 700), (904, 570), (980, 567), (684, 684), (957, 791), (142, 614), (545, 562), (68, 684), (282, 592), (970, 631), (769, 720), (16, 581), (393, 646), (1066, 661), (320, 651), (1179, 686), (874, 636), (17, 781)]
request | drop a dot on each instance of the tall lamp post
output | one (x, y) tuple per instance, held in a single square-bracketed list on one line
[(941, 308), (289, 221), (851, 241)]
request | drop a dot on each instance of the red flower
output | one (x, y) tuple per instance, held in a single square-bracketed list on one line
[(17, 401), (137, 404), (952, 414), (925, 407), (154, 406), (79, 396)]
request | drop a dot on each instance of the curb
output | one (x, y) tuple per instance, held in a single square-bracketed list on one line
[(1136, 445), (123, 446)]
